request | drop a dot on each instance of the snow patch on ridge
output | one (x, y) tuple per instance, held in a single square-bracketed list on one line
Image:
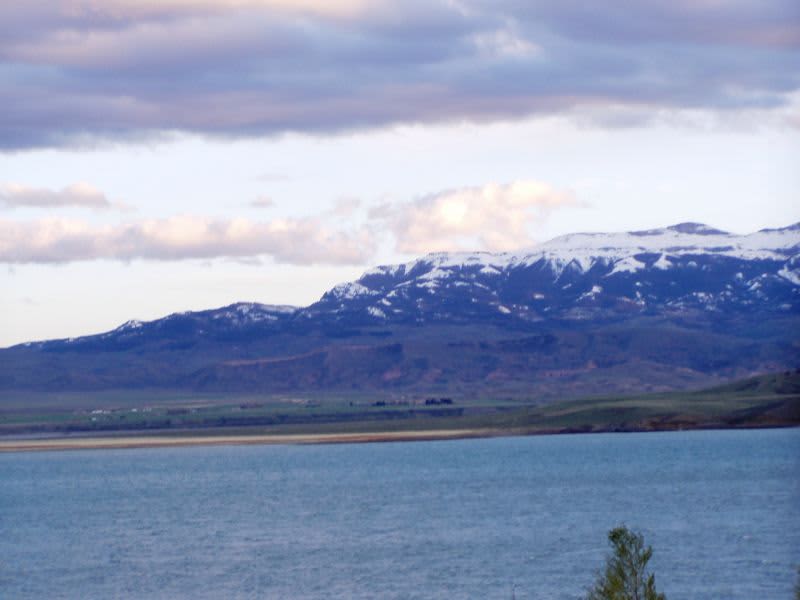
[(582, 251), (348, 291), (662, 263), (628, 265), (596, 289), (376, 312), (790, 276)]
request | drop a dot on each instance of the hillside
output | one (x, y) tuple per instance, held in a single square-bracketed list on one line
[(676, 308), (765, 401)]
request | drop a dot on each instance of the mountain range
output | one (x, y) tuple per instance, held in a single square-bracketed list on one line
[(589, 313)]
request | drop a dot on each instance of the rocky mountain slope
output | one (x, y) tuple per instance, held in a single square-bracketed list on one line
[(670, 308)]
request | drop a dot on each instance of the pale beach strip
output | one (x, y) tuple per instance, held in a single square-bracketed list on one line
[(99, 443)]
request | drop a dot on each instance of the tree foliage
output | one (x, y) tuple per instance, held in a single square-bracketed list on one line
[(797, 585), (625, 576)]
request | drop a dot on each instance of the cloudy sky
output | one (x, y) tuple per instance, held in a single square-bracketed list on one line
[(166, 155)]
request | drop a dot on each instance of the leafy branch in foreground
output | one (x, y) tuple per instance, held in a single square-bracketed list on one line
[(797, 585), (625, 576)]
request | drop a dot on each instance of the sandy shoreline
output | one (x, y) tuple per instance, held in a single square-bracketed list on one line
[(98, 443), (211, 439)]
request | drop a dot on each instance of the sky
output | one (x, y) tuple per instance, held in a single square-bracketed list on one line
[(166, 155)]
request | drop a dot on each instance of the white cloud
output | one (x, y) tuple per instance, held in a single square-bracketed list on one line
[(14, 195), (293, 241), (492, 217), (495, 217)]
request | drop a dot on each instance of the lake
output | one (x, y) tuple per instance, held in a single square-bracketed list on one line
[(490, 518)]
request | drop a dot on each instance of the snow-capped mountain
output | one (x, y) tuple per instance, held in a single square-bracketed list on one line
[(671, 308), (684, 267), (676, 270), (240, 314), (239, 319)]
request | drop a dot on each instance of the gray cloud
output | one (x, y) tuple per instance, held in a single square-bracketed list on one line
[(754, 23), (14, 195), (294, 241), (79, 73)]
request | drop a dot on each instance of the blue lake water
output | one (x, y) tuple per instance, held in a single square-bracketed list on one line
[(459, 519)]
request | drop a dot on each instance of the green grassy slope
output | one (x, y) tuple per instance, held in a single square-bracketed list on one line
[(765, 401)]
